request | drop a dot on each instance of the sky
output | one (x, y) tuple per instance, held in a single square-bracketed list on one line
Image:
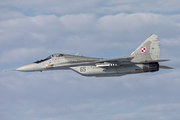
[(32, 30)]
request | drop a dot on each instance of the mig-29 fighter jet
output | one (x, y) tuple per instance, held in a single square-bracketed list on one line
[(144, 59)]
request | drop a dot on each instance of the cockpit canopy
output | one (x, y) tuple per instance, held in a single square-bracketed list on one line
[(49, 57), (57, 55)]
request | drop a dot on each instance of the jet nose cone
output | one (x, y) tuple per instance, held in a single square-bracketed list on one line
[(26, 68)]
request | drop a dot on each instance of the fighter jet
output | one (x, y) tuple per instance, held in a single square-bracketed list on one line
[(144, 59)]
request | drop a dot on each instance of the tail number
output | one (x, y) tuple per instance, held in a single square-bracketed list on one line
[(82, 69)]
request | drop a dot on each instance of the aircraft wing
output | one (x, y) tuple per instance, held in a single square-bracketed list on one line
[(108, 62), (127, 61), (105, 62), (117, 60)]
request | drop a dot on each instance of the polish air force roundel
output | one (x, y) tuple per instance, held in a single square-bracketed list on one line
[(143, 50)]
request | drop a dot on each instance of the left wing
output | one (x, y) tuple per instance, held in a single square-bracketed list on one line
[(109, 62), (117, 60), (105, 62)]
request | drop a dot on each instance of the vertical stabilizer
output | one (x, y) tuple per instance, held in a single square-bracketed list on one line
[(148, 50)]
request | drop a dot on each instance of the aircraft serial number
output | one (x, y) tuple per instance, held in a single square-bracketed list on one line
[(82, 69)]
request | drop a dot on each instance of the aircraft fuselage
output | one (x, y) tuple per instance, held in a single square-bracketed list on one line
[(144, 59)]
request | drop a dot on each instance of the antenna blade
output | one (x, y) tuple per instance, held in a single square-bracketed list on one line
[(77, 53)]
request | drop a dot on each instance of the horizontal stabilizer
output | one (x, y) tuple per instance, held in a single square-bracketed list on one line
[(151, 61), (165, 67)]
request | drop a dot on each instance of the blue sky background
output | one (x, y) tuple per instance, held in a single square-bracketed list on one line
[(32, 30)]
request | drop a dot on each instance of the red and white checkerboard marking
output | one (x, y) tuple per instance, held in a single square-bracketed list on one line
[(143, 50)]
